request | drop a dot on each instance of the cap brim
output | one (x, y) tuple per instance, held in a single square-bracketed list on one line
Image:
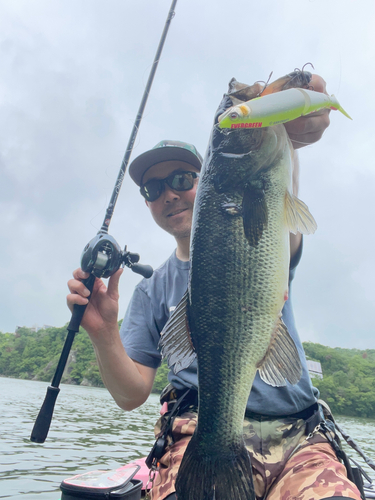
[(146, 160)]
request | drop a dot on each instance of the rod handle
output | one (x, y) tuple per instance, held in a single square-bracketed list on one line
[(43, 420), (79, 311)]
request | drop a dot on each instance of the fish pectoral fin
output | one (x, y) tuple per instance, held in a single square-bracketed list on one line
[(255, 214), (298, 216), (175, 343), (281, 361)]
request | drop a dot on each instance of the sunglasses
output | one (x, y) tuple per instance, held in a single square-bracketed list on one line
[(178, 181)]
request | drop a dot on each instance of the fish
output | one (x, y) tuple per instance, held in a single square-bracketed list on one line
[(230, 315)]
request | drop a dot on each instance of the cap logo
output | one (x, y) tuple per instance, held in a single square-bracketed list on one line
[(178, 144)]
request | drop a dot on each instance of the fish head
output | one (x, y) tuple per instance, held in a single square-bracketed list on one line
[(243, 153)]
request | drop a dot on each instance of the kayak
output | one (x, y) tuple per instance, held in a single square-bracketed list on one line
[(128, 482)]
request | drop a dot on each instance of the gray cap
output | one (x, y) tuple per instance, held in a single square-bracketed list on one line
[(164, 151)]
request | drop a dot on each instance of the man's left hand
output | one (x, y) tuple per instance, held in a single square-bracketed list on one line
[(309, 129)]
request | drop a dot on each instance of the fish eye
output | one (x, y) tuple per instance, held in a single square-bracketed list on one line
[(233, 115)]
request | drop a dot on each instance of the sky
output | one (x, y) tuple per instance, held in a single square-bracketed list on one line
[(72, 77)]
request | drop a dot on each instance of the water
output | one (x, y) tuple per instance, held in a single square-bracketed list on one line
[(88, 432)]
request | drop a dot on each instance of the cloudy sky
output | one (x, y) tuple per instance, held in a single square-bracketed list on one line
[(72, 77)]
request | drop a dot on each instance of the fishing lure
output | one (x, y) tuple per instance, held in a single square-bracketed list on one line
[(279, 107)]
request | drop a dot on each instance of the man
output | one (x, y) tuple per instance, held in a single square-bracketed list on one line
[(287, 462)]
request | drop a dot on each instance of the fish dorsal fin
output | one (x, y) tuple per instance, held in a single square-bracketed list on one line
[(175, 342), (255, 214), (298, 216), (281, 361)]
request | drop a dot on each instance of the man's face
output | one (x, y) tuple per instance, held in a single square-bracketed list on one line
[(173, 210)]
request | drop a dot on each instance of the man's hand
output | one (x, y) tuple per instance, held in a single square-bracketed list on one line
[(309, 129), (129, 382), (100, 318)]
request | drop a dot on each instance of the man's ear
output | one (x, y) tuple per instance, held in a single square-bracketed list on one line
[(146, 202)]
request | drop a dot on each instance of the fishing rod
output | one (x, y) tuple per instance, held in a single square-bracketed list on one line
[(101, 257)]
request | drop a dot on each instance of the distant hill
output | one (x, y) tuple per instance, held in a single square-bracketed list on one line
[(348, 383)]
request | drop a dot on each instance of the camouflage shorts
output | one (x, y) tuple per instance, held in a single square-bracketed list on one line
[(286, 465)]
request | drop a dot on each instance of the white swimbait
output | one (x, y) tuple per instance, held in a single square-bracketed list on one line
[(280, 107)]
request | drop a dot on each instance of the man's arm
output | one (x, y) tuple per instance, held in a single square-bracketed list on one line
[(129, 382)]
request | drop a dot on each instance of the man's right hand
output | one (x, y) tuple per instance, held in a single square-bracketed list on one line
[(129, 382), (101, 315)]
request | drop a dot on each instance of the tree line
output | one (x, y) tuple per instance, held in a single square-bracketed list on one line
[(32, 355), (348, 383)]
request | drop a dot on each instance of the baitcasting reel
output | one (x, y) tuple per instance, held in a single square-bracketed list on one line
[(103, 256)]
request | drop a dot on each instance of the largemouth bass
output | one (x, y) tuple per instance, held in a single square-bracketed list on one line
[(243, 213)]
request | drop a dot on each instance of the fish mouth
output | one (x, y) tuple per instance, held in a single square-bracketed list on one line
[(176, 212)]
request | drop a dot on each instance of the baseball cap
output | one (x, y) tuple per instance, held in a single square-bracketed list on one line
[(164, 151)]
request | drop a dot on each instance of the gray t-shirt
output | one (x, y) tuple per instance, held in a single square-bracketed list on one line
[(149, 309)]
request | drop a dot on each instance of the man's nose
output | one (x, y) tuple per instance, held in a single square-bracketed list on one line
[(170, 195)]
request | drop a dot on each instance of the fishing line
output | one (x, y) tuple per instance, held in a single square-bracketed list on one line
[(101, 257)]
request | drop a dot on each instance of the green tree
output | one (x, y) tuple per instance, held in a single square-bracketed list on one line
[(348, 385), (161, 379)]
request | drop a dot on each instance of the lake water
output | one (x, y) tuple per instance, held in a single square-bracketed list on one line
[(88, 432)]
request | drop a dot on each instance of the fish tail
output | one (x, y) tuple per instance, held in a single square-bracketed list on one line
[(226, 475), (337, 105)]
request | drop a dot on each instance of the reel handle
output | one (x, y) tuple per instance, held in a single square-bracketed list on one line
[(143, 269)]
